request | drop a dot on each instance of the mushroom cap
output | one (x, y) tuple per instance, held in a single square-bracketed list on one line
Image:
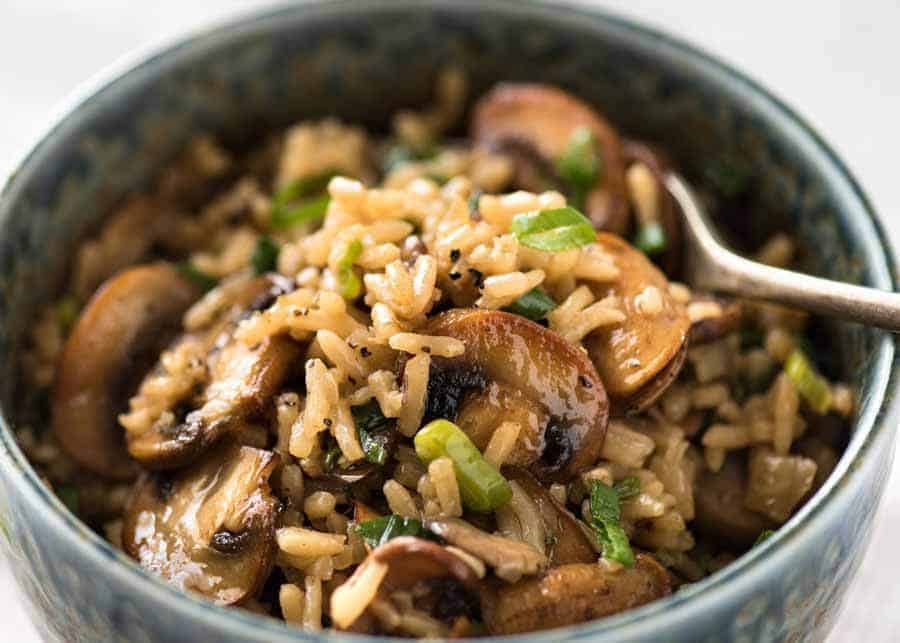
[(128, 319), (543, 117), (632, 356), (523, 355), (571, 594), (405, 562), (411, 560), (209, 528), (242, 379)]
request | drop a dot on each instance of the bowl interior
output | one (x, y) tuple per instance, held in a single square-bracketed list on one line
[(363, 63)]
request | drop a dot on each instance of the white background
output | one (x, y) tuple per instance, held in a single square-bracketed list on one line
[(836, 62)]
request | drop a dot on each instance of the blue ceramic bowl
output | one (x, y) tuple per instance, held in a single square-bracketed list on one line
[(362, 61)]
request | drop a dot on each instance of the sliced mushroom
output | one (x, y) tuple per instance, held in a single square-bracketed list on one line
[(402, 564), (482, 411), (640, 357), (720, 512), (571, 594), (511, 559), (669, 216), (210, 528), (713, 318), (567, 542), (551, 373), (543, 117), (242, 379), (123, 326)]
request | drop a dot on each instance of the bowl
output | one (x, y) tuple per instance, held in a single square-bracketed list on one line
[(362, 61)]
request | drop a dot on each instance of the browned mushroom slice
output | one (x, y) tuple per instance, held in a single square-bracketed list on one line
[(402, 564), (210, 528), (720, 512), (511, 559), (242, 380), (123, 326), (713, 318), (669, 216), (572, 594), (632, 357), (551, 373), (567, 542), (544, 117)]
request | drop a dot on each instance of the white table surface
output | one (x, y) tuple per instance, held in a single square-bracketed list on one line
[(835, 61)]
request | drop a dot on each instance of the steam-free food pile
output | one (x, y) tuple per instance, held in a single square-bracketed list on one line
[(422, 385)]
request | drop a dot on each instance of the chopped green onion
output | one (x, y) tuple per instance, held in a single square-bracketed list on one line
[(373, 446), (378, 531), (348, 281), (481, 486), (812, 387), (606, 515), (312, 210), (265, 255), (69, 497), (533, 305), (627, 487), (331, 458), (197, 277), (369, 421), (303, 187), (764, 535), (580, 165), (67, 312), (369, 417), (651, 239), (553, 230)]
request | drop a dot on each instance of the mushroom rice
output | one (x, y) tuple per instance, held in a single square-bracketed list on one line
[(424, 386)]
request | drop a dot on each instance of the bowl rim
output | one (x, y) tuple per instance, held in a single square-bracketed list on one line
[(653, 617)]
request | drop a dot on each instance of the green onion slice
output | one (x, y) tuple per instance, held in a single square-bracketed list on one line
[(580, 165), (481, 486), (533, 305), (312, 210), (378, 531), (764, 535), (349, 284), (265, 255), (370, 422), (651, 239), (606, 515), (812, 387), (553, 230), (197, 277)]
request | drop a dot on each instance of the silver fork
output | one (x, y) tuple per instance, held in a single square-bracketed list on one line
[(710, 266)]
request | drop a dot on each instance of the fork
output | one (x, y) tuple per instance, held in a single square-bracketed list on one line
[(710, 266)]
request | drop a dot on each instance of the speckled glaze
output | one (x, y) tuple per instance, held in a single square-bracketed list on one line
[(362, 61)]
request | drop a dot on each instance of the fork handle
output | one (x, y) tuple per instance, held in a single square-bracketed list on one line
[(711, 266)]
